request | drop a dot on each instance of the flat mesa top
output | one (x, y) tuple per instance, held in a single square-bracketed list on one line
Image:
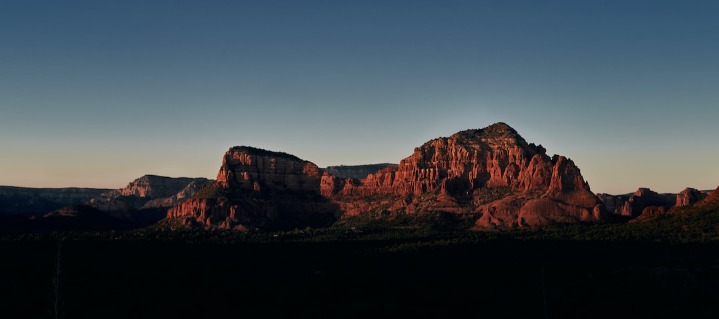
[(263, 152)]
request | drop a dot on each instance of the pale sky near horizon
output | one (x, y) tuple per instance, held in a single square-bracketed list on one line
[(98, 93)]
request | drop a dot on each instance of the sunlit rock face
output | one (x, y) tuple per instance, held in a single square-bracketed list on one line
[(491, 173)]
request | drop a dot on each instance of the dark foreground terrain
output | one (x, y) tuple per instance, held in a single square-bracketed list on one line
[(366, 277)]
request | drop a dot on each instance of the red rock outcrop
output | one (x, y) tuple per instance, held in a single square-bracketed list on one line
[(644, 198), (689, 196), (251, 169), (257, 188), (458, 174), (491, 173), (472, 159)]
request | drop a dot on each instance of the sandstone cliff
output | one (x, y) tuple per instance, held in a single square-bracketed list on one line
[(256, 188), (490, 173)]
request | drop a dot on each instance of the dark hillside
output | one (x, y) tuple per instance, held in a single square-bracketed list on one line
[(500, 278)]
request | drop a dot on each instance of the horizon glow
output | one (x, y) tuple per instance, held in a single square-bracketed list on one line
[(96, 94)]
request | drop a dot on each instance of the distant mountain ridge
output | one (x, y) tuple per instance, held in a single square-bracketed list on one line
[(486, 179), (148, 191), (29, 201), (357, 171), (645, 202), (143, 201)]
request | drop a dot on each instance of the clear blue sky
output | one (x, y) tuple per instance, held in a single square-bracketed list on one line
[(97, 93)]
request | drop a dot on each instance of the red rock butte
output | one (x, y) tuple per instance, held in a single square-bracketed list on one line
[(490, 174)]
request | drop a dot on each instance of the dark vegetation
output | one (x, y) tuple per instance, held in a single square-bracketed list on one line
[(490, 194), (80, 218), (375, 266), (264, 152), (386, 222), (357, 171), (211, 190)]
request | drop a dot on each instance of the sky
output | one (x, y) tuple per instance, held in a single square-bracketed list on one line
[(98, 93)]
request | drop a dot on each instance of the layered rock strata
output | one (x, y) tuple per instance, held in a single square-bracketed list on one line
[(256, 188), (491, 173)]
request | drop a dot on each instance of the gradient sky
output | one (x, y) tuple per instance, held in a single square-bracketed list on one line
[(97, 93)]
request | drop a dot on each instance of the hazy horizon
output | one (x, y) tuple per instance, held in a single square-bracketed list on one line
[(98, 93)]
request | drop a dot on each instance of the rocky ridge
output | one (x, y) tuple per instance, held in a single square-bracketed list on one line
[(149, 191), (491, 173), (689, 196), (645, 202)]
